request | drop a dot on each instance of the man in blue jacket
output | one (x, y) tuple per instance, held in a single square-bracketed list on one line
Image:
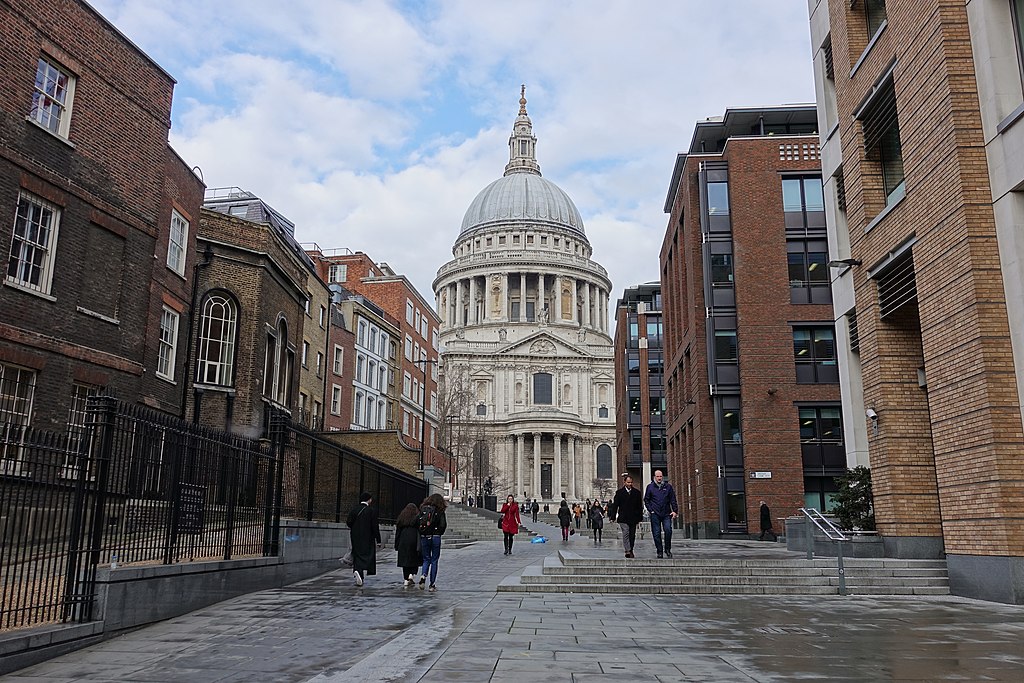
[(660, 499)]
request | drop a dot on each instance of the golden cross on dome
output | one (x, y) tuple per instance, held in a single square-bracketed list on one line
[(522, 100)]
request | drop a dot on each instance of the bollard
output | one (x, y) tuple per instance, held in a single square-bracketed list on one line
[(810, 538), (842, 570)]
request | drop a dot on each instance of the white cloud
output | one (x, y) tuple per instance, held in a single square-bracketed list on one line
[(373, 124)]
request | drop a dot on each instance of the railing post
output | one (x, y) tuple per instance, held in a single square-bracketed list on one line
[(809, 523), (311, 489), (233, 449), (339, 487), (842, 570)]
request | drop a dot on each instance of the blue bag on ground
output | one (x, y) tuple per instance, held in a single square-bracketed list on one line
[(538, 539)]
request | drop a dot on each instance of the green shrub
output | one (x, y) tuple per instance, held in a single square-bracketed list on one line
[(852, 504)]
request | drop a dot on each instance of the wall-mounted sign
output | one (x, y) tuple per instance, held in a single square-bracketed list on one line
[(760, 475)]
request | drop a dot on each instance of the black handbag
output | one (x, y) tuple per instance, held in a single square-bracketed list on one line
[(499, 522)]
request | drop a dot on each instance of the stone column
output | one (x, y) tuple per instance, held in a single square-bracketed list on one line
[(558, 298), (458, 303), (572, 467), (503, 309), (536, 465), (522, 297), (573, 285), (586, 305), (520, 482), (556, 484), (540, 295), (472, 300)]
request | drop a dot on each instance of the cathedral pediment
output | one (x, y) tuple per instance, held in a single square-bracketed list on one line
[(542, 344)]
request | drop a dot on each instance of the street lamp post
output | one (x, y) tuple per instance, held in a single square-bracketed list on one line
[(423, 408)]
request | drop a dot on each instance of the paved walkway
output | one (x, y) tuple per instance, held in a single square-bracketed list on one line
[(325, 630)]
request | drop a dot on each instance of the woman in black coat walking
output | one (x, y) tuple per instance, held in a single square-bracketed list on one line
[(595, 520), (564, 518), (365, 534), (407, 543)]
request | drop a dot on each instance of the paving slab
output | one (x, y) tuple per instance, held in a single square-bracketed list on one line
[(325, 630)]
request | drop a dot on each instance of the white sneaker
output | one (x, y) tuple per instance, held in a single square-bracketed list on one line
[(407, 583), (359, 578)]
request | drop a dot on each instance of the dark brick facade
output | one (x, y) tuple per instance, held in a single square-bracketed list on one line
[(114, 180)]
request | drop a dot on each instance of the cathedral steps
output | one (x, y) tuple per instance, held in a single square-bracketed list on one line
[(570, 572)]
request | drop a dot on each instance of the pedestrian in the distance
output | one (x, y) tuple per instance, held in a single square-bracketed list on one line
[(534, 509), (510, 521), (407, 543), (766, 523), (595, 519), (365, 535), (660, 499), (577, 514), (627, 509), (564, 518), (432, 525)]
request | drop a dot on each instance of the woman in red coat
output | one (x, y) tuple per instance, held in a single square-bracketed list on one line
[(510, 521)]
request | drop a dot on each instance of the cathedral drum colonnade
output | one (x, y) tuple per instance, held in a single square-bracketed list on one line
[(524, 327)]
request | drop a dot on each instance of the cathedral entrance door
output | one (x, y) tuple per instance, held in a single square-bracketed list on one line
[(545, 482)]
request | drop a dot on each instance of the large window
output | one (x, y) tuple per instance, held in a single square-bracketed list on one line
[(604, 462), (177, 242), (725, 346), (718, 199), (542, 389), (335, 400), (821, 425), (78, 431), (168, 344), (215, 356), (874, 16), (51, 98), (17, 389), (881, 127), (33, 243), (814, 350), (1017, 9), (803, 203), (337, 272), (808, 272), (721, 270)]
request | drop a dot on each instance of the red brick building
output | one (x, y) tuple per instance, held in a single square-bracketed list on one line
[(416, 348), (750, 361), (640, 384), (100, 219)]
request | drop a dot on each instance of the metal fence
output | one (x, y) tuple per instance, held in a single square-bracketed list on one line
[(140, 487)]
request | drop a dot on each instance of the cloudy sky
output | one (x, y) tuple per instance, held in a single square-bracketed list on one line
[(372, 124)]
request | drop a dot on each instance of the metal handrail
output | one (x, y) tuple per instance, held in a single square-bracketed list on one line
[(832, 533)]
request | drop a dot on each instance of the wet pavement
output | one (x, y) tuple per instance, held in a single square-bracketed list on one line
[(325, 630)]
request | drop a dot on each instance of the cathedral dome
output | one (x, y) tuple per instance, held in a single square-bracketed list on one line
[(523, 197), (522, 194)]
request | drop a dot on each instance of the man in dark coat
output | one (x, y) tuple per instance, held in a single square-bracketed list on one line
[(365, 534), (627, 509), (660, 499), (766, 523)]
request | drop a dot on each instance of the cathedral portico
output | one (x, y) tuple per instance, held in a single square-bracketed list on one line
[(524, 328)]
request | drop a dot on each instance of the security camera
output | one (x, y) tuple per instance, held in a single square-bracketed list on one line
[(872, 415)]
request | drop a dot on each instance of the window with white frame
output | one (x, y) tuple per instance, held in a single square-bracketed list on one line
[(410, 312), (319, 364), (335, 400), (373, 339), (408, 347), (371, 372), (380, 414), (33, 243), (383, 381), (339, 359), (177, 242), (305, 354), (362, 333), (323, 317), (338, 272), (360, 361), (215, 356), (51, 98), (405, 422), (357, 409), (17, 390), (168, 344), (370, 405), (407, 385), (383, 345)]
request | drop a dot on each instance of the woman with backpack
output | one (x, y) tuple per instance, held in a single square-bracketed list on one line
[(407, 543), (596, 520), (432, 525), (510, 521), (564, 519)]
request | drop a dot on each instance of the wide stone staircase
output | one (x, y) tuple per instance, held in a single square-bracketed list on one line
[(696, 571), (468, 525)]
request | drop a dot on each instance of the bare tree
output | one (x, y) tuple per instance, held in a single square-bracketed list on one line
[(603, 488)]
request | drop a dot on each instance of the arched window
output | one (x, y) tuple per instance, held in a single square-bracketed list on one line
[(602, 411), (604, 461), (277, 365), (215, 355), (542, 389), (481, 409), (380, 415)]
